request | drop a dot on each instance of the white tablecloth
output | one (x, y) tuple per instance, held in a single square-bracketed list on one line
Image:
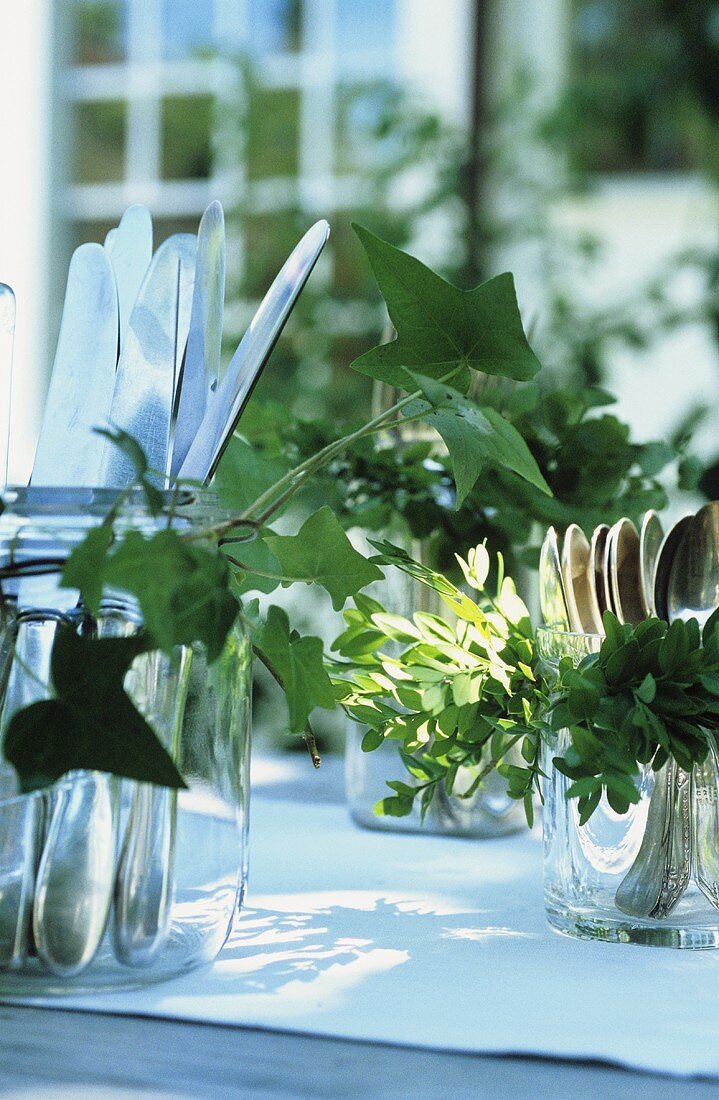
[(427, 941)]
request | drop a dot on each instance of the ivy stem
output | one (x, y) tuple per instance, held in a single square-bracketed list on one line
[(297, 476), (278, 494)]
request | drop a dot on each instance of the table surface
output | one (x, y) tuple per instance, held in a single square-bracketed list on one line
[(59, 1053)]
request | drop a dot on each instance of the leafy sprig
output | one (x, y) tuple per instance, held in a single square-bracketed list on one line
[(459, 695), (651, 692)]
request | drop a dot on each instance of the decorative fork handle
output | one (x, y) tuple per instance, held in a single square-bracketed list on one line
[(660, 873), (705, 825)]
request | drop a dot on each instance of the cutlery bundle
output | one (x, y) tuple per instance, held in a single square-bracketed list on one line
[(637, 574), (139, 350)]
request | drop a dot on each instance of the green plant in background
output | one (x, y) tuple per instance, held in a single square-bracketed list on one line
[(400, 165), (459, 697)]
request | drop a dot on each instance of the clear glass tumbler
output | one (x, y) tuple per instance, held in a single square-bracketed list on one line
[(488, 812), (107, 883), (601, 877)]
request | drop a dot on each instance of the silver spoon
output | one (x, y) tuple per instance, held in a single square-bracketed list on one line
[(74, 880), (584, 614), (660, 873), (145, 873), (596, 568), (622, 553), (663, 566), (651, 537), (552, 597), (694, 593)]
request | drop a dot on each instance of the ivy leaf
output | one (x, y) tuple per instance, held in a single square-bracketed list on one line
[(254, 555), (298, 665), (321, 553), (85, 566), (92, 722), (182, 588), (440, 327), (244, 473), (136, 456), (476, 437)]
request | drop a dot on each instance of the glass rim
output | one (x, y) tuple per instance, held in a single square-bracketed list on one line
[(556, 631)]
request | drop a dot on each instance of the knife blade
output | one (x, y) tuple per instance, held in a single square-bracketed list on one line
[(69, 452), (204, 342), (226, 404), (147, 370), (129, 247)]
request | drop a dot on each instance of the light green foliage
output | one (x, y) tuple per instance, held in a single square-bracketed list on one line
[(651, 692), (245, 472), (459, 695)]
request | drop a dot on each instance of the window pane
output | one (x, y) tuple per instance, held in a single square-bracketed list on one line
[(99, 142), (272, 134), (186, 137), (187, 28), (165, 227), (100, 36), (95, 231), (368, 25), (625, 113), (275, 25), (269, 239)]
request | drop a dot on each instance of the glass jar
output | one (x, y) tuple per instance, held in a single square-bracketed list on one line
[(640, 877), (488, 812), (107, 883)]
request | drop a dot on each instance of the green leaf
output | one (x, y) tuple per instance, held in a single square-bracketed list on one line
[(129, 447), (372, 740), (244, 474), (136, 456), (92, 723), (255, 555), (476, 437), (394, 806), (440, 327), (85, 566), (298, 665), (647, 689), (182, 588), (321, 553)]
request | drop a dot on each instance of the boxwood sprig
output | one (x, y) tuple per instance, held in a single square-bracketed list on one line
[(651, 692)]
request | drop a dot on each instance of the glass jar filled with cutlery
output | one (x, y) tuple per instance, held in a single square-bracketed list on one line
[(630, 648), (106, 882)]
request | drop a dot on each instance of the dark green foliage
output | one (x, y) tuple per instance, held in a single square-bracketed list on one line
[(651, 692)]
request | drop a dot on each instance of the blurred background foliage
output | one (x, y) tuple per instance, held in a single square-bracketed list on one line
[(640, 97)]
